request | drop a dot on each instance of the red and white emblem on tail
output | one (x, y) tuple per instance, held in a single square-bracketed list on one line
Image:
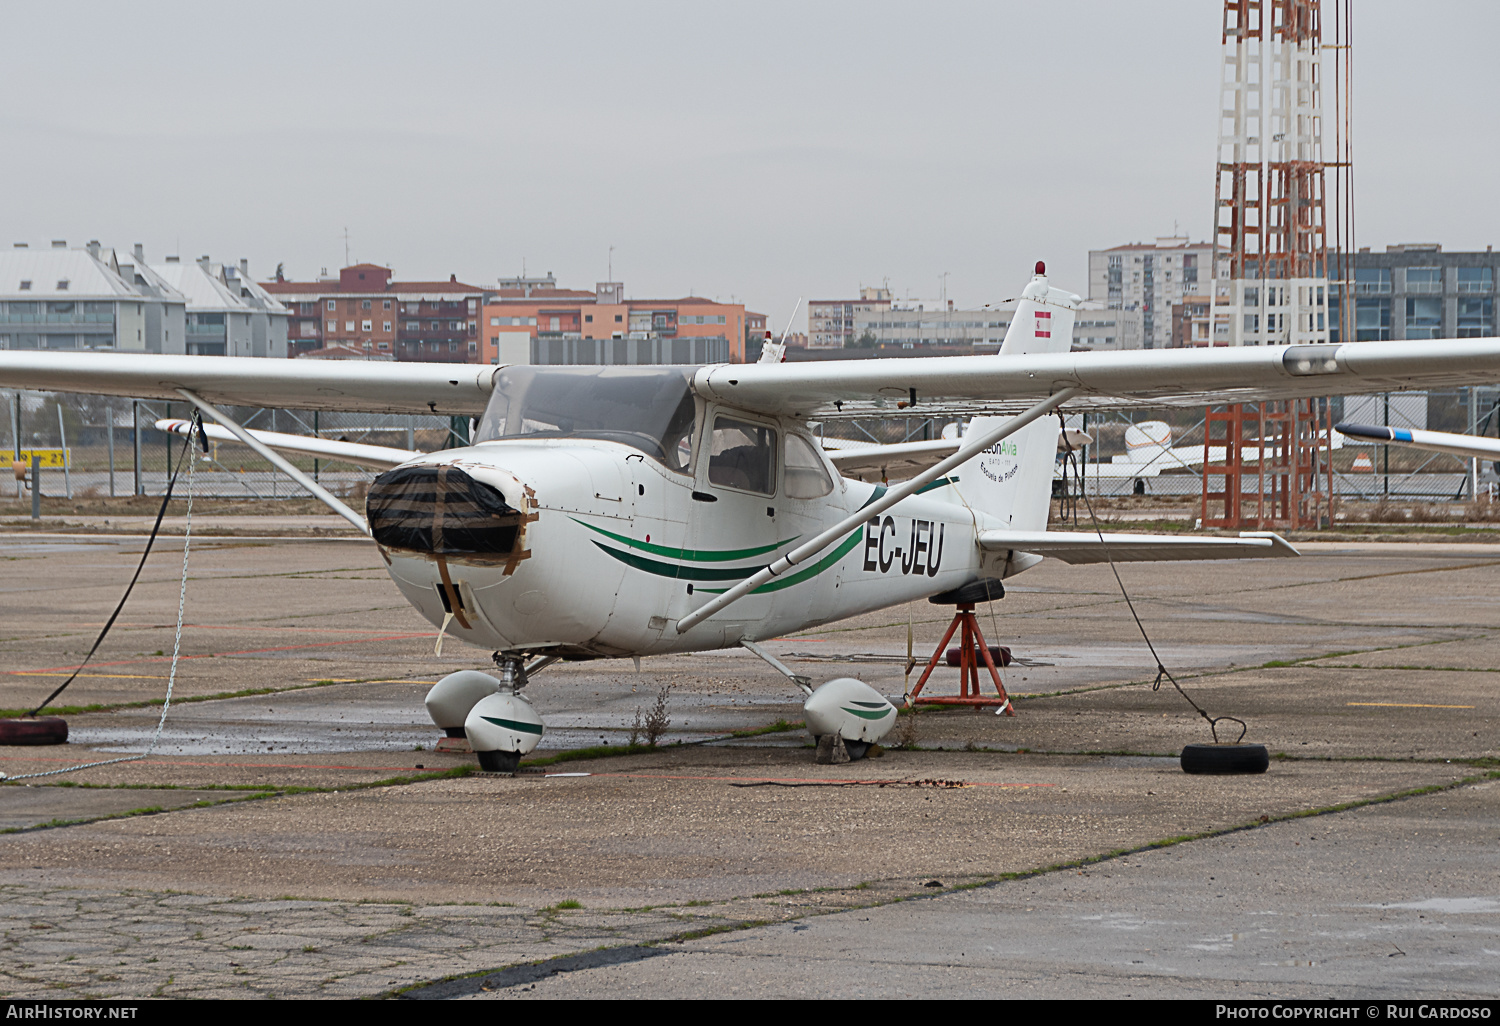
[(1043, 324)]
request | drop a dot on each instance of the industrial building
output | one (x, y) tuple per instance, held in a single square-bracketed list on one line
[(362, 308), (910, 325), (87, 298), (228, 314)]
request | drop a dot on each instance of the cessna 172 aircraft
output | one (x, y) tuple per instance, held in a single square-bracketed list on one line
[(629, 511)]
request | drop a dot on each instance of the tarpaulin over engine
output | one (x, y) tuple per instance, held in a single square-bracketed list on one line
[(442, 511)]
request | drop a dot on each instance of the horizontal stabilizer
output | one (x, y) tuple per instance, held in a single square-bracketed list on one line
[(379, 457), (899, 461), (907, 459), (1086, 547)]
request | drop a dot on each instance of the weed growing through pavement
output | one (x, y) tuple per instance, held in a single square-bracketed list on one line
[(657, 720)]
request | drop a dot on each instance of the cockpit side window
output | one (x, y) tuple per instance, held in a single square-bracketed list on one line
[(742, 455)]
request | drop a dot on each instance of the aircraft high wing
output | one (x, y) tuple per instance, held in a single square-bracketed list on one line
[(951, 385), (354, 386)]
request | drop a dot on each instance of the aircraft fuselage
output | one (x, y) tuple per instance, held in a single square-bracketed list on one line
[(610, 549)]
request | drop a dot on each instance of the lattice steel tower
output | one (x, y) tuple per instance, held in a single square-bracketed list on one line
[(1270, 246), (1270, 263)]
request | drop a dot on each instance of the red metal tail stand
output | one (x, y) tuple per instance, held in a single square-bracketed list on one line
[(972, 648)]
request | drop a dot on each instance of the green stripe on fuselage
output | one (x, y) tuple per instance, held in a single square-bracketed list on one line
[(940, 482), (679, 571), (692, 555), (807, 574)]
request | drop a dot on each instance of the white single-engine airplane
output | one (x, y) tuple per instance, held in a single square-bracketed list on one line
[(629, 511)]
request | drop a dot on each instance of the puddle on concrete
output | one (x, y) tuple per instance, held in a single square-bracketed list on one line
[(228, 739), (579, 711), (1453, 905)]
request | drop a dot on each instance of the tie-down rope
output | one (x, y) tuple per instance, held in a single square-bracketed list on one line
[(1161, 670), (181, 607)]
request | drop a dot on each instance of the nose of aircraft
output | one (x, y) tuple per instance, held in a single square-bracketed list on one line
[(442, 511)]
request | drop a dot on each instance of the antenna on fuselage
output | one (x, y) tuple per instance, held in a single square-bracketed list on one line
[(790, 320), (775, 352)]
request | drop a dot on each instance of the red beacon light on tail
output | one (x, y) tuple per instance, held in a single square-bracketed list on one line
[(1041, 268)]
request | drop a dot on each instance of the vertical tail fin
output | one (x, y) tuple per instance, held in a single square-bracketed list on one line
[(1043, 322), (1012, 480)]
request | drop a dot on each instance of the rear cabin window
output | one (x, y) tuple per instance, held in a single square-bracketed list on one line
[(742, 455), (805, 476)]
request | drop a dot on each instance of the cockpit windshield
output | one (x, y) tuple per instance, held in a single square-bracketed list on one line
[(646, 408)]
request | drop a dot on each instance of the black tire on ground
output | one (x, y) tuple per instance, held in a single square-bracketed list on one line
[(856, 749), (42, 730), (1226, 758), (999, 653), (499, 762)]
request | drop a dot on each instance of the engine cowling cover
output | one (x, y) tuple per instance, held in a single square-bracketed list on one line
[(451, 699), (850, 708), (504, 722)]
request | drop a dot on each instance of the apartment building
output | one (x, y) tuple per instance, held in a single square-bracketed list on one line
[(534, 321), (1151, 278), (913, 325), (1417, 291), (87, 298), (831, 322), (362, 308), (228, 314)]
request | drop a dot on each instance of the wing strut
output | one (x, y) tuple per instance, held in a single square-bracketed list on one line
[(278, 461), (971, 448)]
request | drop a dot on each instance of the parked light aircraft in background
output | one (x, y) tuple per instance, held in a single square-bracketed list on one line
[(629, 511), (1469, 446)]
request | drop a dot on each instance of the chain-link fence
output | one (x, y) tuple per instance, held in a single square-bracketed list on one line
[(1159, 452), (99, 446)]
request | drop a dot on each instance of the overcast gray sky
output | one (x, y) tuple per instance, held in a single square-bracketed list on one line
[(762, 151)]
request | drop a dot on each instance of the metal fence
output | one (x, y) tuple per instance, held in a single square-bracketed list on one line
[(113, 448), (1394, 472)]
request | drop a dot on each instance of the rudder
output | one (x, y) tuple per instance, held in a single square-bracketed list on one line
[(1012, 480)]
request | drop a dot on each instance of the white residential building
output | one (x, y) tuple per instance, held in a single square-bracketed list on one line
[(228, 314), (1151, 278), (89, 299)]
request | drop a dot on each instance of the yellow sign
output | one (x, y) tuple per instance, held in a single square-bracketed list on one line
[(49, 457)]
